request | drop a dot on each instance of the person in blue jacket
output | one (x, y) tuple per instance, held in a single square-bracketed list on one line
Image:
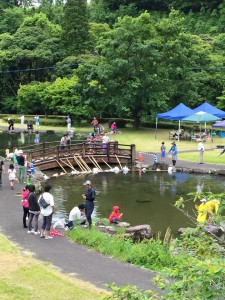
[(173, 151)]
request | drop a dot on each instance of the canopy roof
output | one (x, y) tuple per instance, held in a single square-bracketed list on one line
[(200, 117), (220, 124), (177, 113), (208, 108)]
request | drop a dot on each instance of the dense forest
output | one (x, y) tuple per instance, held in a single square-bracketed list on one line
[(124, 58)]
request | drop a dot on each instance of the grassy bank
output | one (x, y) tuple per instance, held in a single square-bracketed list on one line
[(23, 277)]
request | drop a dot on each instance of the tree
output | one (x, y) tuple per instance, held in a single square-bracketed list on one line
[(75, 27), (139, 65), (33, 47)]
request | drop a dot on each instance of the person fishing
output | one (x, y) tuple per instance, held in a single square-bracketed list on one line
[(89, 198)]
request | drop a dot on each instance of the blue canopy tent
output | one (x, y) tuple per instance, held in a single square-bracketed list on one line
[(208, 108), (177, 113)]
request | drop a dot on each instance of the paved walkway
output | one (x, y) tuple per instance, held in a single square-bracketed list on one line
[(70, 257)]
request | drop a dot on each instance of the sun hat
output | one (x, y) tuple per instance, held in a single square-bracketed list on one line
[(87, 182), (20, 151), (203, 200)]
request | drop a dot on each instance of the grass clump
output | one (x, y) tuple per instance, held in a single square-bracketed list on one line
[(23, 277)]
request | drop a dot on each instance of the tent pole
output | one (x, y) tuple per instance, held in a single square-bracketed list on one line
[(179, 132), (156, 124)]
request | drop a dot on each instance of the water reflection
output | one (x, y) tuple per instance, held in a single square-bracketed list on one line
[(144, 198)]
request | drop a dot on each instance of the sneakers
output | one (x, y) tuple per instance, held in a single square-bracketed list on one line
[(36, 232), (30, 231), (49, 237)]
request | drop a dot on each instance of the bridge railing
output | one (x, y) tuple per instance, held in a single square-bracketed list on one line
[(51, 151)]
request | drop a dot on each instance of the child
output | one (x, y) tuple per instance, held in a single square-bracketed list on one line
[(12, 175), (115, 215), (25, 205), (163, 151)]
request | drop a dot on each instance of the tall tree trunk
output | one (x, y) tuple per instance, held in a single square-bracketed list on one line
[(136, 117)]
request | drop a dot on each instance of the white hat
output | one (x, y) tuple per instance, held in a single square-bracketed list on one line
[(87, 182), (203, 200), (20, 151), (199, 140)]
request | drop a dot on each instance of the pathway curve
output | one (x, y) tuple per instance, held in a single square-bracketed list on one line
[(70, 257)]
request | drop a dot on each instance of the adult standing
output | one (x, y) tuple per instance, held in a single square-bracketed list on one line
[(201, 149), (2, 168), (89, 198), (11, 124), (173, 151), (47, 212), (34, 210), (37, 121), (22, 118), (63, 142), (68, 121), (21, 165)]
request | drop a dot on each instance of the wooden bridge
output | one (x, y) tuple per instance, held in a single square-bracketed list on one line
[(49, 155)]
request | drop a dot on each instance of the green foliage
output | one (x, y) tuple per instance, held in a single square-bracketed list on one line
[(128, 292), (75, 27)]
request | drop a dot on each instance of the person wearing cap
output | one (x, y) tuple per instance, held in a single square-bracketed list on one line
[(21, 165), (200, 150), (202, 211), (173, 150), (89, 198), (11, 124)]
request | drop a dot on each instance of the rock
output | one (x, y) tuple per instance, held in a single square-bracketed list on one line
[(212, 229), (123, 224), (138, 233), (107, 229)]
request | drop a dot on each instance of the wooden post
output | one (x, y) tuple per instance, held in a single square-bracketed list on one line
[(83, 150), (43, 145), (57, 152), (133, 153), (108, 151)]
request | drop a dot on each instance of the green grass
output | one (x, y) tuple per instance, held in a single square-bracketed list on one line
[(23, 277), (146, 140)]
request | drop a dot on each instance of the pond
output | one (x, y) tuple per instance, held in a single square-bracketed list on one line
[(145, 198), (10, 140)]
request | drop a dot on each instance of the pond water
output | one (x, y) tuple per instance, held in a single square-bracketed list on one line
[(145, 198), (10, 140)]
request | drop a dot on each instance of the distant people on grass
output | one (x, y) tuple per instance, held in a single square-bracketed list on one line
[(77, 216), (25, 205), (34, 210), (12, 175), (2, 168), (22, 119), (201, 150), (89, 198), (68, 121), (173, 151), (11, 124), (162, 152), (115, 215), (94, 124), (113, 128), (47, 212), (21, 159), (37, 121)]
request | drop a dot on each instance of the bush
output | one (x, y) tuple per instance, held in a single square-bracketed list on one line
[(43, 121)]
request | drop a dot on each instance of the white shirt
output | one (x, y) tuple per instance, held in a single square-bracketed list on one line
[(75, 214), (50, 200), (201, 146), (105, 139)]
